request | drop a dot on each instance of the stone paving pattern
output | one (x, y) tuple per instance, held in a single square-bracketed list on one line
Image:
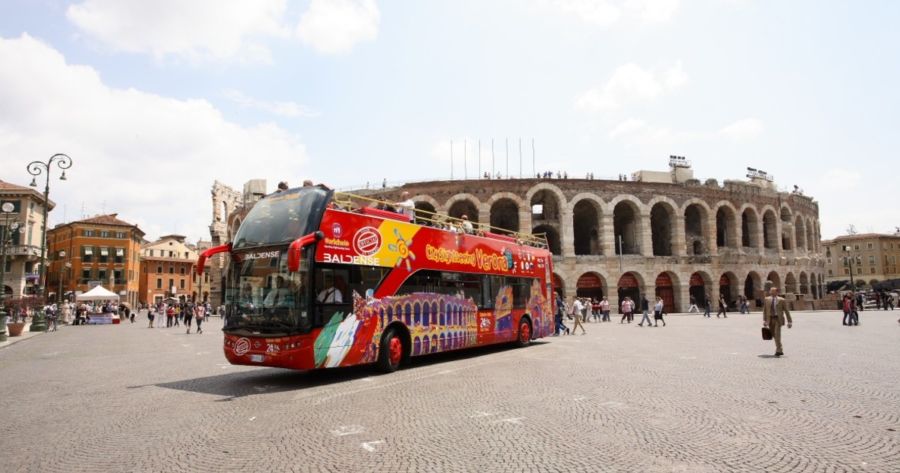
[(699, 395)]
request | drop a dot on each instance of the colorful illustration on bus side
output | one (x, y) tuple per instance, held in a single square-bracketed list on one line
[(401, 247), (436, 322), (503, 305), (540, 309)]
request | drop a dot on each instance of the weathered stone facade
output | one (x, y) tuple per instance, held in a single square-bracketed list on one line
[(675, 240)]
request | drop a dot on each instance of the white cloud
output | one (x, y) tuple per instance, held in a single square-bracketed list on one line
[(628, 126), (605, 13), (631, 83), (283, 109), (336, 26), (743, 130), (149, 157), (195, 30)]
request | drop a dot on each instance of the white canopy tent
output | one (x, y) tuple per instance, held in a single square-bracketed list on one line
[(98, 293)]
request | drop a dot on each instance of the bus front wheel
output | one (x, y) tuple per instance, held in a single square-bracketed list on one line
[(524, 336), (390, 353)]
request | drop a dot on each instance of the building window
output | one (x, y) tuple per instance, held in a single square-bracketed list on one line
[(120, 235), (171, 254), (182, 270), (871, 260), (870, 246), (104, 234), (871, 270), (85, 275), (101, 275), (159, 283), (171, 269), (159, 270), (120, 255), (846, 271), (87, 233), (117, 274), (830, 272), (829, 260), (104, 255), (182, 283), (87, 254), (151, 253), (171, 283)]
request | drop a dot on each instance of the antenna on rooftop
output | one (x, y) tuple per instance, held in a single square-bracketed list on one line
[(451, 160)]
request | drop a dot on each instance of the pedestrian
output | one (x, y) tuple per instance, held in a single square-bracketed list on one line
[(627, 310), (199, 315), (558, 317), (723, 305), (170, 314), (847, 306), (707, 302), (578, 312), (189, 313), (693, 308), (775, 312), (645, 308), (658, 313), (596, 314), (604, 307), (150, 315), (854, 311)]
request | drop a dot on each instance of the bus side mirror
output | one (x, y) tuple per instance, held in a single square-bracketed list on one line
[(296, 248)]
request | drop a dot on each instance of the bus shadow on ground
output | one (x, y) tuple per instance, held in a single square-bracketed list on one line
[(275, 380)]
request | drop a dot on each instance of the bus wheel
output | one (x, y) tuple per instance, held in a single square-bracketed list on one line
[(390, 353), (524, 337)]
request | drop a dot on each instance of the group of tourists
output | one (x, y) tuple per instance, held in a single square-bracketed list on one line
[(584, 309), (178, 313)]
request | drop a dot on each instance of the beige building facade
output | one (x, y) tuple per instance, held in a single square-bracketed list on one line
[(169, 269), (23, 245), (871, 257)]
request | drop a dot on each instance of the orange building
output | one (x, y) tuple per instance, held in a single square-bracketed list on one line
[(101, 250), (168, 269)]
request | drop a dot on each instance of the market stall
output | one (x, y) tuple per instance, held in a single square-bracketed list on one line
[(100, 294)]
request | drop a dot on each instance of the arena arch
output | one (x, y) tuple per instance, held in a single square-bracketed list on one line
[(699, 285), (790, 284), (749, 228), (729, 288), (752, 286), (505, 215), (425, 211), (770, 230), (696, 227), (552, 237), (630, 284), (463, 204), (546, 192), (726, 226), (667, 288), (591, 284), (812, 236), (627, 227), (559, 285), (662, 218), (586, 227), (814, 285)]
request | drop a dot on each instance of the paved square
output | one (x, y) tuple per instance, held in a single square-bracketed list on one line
[(698, 395)]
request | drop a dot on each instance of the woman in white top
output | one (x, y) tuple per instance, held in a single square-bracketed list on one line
[(658, 313)]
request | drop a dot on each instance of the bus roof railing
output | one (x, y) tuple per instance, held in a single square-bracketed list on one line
[(376, 207)]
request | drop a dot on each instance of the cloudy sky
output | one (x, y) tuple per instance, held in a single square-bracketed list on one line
[(156, 100)]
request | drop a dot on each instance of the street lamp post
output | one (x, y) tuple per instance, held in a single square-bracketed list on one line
[(6, 233), (35, 168), (62, 269), (850, 259)]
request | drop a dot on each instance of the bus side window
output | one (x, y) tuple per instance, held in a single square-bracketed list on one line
[(487, 295)]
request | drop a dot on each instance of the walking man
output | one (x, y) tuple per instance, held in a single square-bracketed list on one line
[(707, 302), (645, 308), (774, 313), (579, 314), (722, 306)]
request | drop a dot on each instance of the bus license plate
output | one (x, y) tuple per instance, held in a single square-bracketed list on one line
[(256, 358)]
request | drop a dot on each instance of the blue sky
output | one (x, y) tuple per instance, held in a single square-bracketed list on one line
[(155, 100)]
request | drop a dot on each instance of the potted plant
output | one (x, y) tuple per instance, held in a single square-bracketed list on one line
[(17, 325)]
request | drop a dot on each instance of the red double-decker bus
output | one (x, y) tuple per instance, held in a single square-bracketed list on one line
[(319, 279)]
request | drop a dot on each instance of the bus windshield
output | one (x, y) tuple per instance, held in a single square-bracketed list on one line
[(262, 296), (282, 217)]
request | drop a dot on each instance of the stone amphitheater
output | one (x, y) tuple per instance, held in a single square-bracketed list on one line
[(662, 233)]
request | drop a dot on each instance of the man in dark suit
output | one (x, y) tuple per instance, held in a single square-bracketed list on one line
[(774, 313)]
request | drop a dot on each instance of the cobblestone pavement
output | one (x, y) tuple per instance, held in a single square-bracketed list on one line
[(698, 395)]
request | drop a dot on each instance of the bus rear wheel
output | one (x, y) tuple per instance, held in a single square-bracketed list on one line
[(390, 353), (524, 337)]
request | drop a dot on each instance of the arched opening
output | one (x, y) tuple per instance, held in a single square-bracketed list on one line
[(661, 216), (464, 207), (749, 229), (790, 284), (629, 286), (665, 289), (552, 237), (586, 226), (800, 233), (773, 280), (812, 236), (770, 230), (222, 212), (814, 285), (626, 228), (752, 286), (726, 228), (695, 229), (505, 216), (590, 285), (697, 289), (728, 288), (424, 212), (544, 207), (559, 286)]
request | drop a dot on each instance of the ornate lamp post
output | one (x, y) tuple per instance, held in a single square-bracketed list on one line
[(35, 168), (6, 233)]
